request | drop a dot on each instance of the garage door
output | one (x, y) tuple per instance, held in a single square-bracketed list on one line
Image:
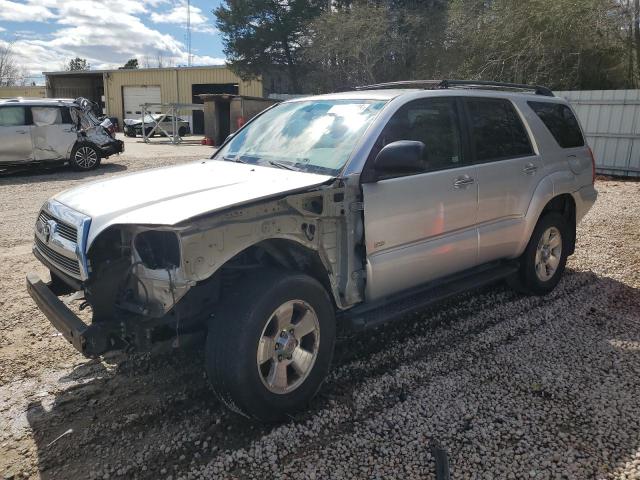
[(133, 97)]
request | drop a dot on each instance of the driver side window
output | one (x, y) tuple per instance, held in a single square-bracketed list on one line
[(434, 122)]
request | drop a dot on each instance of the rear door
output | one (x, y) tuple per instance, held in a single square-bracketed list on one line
[(421, 226), (15, 135), (53, 133), (508, 171)]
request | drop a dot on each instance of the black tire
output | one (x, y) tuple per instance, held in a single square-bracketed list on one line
[(85, 157), (147, 131), (235, 333), (527, 280), (182, 131)]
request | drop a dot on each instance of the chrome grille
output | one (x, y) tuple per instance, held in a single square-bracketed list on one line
[(65, 263), (66, 231)]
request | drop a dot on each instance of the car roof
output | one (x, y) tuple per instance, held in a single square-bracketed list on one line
[(37, 101)]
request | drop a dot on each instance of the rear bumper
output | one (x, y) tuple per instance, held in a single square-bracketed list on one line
[(90, 340), (117, 146)]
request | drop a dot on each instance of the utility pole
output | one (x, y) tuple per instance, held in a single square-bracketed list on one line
[(189, 33)]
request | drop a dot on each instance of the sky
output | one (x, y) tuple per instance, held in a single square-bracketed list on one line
[(46, 34)]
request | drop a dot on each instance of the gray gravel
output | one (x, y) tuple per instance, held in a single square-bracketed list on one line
[(511, 386)]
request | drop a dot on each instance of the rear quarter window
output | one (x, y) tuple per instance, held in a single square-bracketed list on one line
[(561, 122)]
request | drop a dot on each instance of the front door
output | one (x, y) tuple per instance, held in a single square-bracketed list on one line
[(15, 135), (422, 226), (53, 133)]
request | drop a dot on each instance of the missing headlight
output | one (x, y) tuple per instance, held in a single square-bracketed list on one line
[(158, 249)]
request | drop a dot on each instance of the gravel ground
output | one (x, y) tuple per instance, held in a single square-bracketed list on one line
[(510, 386)]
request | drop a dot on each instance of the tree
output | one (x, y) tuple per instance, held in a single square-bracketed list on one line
[(131, 64), (263, 36), (565, 44), (10, 73), (368, 42), (77, 64)]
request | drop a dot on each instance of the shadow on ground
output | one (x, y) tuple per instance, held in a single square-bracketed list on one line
[(39, 173), (149, 416)]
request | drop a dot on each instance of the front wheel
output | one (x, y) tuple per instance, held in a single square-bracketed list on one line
[(545, 257), (269, 348), (85, 157)]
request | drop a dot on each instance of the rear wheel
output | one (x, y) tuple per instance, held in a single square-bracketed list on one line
[(270, 348), (85, 157), (544, 260), (182, 131)]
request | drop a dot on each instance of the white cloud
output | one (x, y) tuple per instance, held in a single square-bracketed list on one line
[(178, 15), (32, 11), (106, 33)]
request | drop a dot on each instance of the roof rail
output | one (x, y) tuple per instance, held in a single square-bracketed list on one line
[(441, 84)]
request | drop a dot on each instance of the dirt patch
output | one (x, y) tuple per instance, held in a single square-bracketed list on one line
[(510, 386)]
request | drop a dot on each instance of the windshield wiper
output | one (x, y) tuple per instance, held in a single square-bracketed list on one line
[(283, 165), (236, 159)]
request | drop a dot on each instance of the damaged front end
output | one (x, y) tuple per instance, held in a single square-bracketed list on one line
[(150, 284), (130, 277)]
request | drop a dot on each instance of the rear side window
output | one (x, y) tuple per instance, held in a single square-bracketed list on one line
[(13, 116), (496, 130), (561, 122)]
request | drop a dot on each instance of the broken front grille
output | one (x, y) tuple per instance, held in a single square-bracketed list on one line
[(67, 232), (66, 264)]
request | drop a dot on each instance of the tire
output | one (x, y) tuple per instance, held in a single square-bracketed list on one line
[(147, 131), (85, 157), (545, 258), (254, 368), (182, 131)]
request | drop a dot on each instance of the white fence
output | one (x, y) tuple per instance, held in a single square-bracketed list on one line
[(611, 120)]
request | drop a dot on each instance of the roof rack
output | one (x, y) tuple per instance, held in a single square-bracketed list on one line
[(442, 84)]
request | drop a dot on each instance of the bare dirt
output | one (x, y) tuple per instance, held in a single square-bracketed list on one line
[(510, 386)]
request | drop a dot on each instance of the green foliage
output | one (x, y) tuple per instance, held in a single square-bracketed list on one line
[(131, 64), (565, 44), (78, 64), (263, 36)]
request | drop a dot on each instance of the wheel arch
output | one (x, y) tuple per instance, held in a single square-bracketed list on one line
[(547, 197), (291, 255)]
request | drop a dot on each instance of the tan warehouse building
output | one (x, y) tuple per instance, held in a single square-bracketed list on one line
[(121, 92)]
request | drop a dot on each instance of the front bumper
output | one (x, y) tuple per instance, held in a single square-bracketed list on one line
[(90, 340), (117, 146)]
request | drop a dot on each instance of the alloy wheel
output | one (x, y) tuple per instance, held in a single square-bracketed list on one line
[(288, 346), (86, 158), (548, 254)]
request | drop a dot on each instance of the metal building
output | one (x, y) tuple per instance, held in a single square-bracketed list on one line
[(611, 120), (121, 92), (25, 91)]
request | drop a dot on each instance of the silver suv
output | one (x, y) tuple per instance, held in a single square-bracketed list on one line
[(336, 211), (54, 130)]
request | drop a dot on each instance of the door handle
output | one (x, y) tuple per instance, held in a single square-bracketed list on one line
[(462, 182), (529, 168), (22, 132)]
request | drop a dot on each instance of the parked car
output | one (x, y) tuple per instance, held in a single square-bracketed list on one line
[(349, 209), (133, 126), (54, 130)]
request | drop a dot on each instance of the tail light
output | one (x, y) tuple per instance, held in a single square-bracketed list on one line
[(593, 167)]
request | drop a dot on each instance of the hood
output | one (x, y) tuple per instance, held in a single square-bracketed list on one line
[(167, 196), (132, 121)]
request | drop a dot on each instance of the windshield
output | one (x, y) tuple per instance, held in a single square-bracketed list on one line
[(313, 136)]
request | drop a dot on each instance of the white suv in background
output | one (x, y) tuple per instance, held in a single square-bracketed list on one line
[(53, 130)]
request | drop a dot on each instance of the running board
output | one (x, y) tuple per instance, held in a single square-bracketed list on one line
[(371, 315)]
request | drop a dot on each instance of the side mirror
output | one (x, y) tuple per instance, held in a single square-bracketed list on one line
[(398, 157)]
